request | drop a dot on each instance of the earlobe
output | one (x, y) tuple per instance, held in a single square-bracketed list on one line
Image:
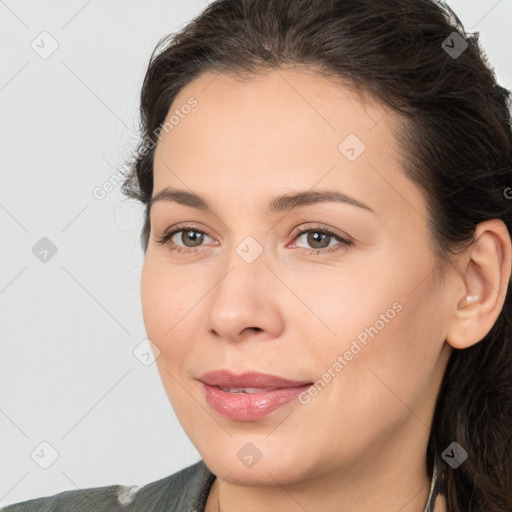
[(485, 271)]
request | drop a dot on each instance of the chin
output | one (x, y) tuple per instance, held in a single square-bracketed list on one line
[(271, 467)]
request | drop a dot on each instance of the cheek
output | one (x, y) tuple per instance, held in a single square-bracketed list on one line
[(164, 310), (388, 340), (392, 372), (394, 321)]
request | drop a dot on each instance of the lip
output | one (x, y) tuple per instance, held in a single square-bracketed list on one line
[(225, 378), (249, 406)]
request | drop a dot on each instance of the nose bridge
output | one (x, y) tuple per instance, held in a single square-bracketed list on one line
[(250, 250), (245, 267)]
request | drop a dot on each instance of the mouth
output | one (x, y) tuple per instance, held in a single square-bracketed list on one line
[(248, 382), (245, 390), (249, 396)]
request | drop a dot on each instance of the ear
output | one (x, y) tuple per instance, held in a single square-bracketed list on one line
[(485, 271)]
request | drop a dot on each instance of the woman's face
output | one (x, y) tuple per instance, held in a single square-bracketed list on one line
[(242, 291)]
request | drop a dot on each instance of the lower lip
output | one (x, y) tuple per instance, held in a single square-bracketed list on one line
[(249, 406)]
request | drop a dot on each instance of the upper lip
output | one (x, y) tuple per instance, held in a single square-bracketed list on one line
[(227, 379)]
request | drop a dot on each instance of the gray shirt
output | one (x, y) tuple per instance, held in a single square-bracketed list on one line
[(184, 491)]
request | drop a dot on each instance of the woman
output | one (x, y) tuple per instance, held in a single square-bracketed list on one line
[(326, 281)]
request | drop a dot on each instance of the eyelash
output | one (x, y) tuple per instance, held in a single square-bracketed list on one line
[(345, 242)]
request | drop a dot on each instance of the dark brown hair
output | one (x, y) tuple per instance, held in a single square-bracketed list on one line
[(456, 140)]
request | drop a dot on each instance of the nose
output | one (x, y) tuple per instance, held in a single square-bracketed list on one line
[(245, 302)]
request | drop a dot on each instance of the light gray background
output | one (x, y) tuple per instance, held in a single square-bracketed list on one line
[(69, 326)]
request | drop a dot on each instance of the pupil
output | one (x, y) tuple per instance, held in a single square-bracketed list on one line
[(313, 238), (194, 238)]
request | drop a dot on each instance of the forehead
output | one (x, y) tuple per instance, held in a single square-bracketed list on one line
[(277, 108), (280, 131)]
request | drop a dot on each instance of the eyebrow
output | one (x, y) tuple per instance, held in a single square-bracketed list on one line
[(278, 204)]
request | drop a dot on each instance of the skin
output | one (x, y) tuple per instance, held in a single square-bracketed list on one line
[(360, 443)]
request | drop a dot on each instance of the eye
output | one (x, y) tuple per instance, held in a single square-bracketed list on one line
[(189, 234), (192, 239), (317, 238)]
